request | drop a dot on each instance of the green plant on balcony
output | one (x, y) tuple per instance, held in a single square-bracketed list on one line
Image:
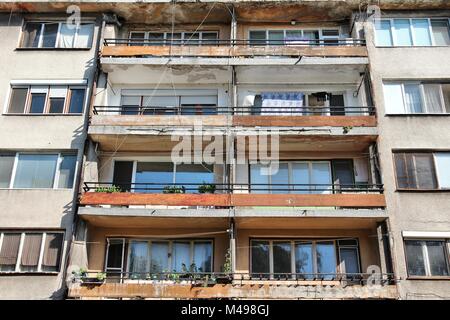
[(207, 188), (109, 189), (346, 129), (79, 274), (227, 269), (174, 189)]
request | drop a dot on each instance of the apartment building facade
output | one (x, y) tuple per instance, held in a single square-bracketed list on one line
[(337, 96)]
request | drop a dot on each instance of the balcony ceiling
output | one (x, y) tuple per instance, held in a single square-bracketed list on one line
[(191, 11)]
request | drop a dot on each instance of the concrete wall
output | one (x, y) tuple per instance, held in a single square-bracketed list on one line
[(40, 208), (411, 211)]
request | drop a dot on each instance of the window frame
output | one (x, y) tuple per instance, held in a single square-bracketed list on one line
[(434, 169), (313, 242), (426, 258), (21, 45), (56, 174), (413, 38), (166, 40), (302, 30), (46, 109), (41, 250)]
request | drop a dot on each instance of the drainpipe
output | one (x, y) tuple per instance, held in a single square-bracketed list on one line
[(232, 232)]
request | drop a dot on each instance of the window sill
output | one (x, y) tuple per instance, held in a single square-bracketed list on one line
[(40, 189), (19, 273), (52, 49), (428, 278), (423, 190), (417, 114), (405, 47), (43, 114)]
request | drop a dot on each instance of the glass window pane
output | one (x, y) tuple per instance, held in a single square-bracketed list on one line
[(181, 253), (56, 105), (276, 37), (158, 174), (49, 35), (282, 178), (38, 102), (18, 100), (138, 264), (52, 252), (446, 93), (425, 171), (433, 100), (414, 258), (259, 181), (76, 100), (402, 32), (405, 174), (67, 171), (321, 175), (440, 31), (326, 259), (304, 259), (383, 33), (349, 260), (300, 177), (257, 37), (35, 171), (203, 256), (437, 258), (67, 35), (260, 257), (442, 169), (160, 257), (84, 37), (413, 99), (421, 32), (135, 38), (9, 251), (155, 39), (6, 167), (31, 35), (209, 38), (194, 173), (191, 38), (30, 252), (393, 98), (115, 248), (282, 257)]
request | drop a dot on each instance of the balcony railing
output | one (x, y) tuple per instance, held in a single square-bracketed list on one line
[(239, 110), (238, 278), (220, 188), (234, 42)]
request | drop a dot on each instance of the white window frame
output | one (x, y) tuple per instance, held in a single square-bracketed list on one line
[(426, 258), (56, 175), (30, 88), (413, 39), (165, 40), (320, 30), (58, 35), (41, 250)]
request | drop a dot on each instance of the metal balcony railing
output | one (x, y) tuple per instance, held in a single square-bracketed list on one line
[(192, 187), (239, 110), (237, 278), (234, 42)]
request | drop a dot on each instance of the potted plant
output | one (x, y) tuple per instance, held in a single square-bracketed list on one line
[(207, 188), (226, 278), (110, 189), (174, 189), (79, 274)]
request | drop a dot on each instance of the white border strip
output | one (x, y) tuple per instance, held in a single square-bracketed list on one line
[(426, 234), (49, 82)]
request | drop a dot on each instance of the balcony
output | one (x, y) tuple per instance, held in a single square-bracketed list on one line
[(245, 116), (236, 285), (220, 48), (228, 195)]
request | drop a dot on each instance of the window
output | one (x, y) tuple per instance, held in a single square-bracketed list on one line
[(179, 38), (416, 98), (57, 35), (412, 32), (305, 258), (30, 251), (31, 170), (153, 177), (157, 256), (426, 171), (294, 37), (46, 100), (427, 257)]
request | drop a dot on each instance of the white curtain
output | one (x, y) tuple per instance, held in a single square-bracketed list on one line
[(84, 37), (138, 257), (282, 103), (412, 99), (67, 35), (433, 98)]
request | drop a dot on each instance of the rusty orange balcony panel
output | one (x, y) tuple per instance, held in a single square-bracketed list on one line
[(236, 51), (305, 121), (238, 200), (157, 120)]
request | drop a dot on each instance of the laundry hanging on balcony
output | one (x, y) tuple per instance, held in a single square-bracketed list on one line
[(282, 103)]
